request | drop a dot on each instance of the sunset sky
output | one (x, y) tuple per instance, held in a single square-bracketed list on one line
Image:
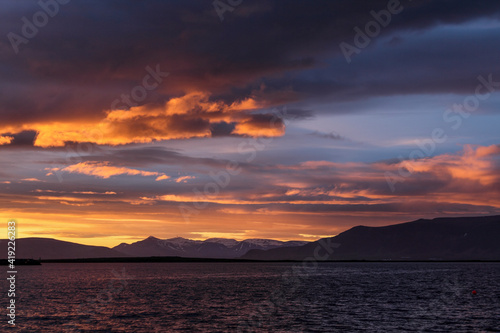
[(124, 119)]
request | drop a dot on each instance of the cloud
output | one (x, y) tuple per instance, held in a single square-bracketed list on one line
[(5, 140), (192, 115), (475, 165), (332, 135), (24, 139), (312, 195), (75, 192), (323, 186), (105, 170), (184, 179), (203, 56), (31, 180), (261, 125)]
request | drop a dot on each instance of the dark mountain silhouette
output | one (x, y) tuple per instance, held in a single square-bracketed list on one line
[(210, 248), (464, 238), (48, 248)]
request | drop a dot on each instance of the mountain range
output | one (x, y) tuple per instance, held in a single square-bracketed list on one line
[(47, 248), (209, 248), (463, 238)]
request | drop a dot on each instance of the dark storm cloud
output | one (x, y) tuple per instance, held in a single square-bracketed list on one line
[(222, 129), (23, 139), (298, 114), (92, 51)]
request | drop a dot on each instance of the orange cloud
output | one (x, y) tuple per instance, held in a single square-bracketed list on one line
[(184, 179), (31, 180), (104, 170), (75, 192), (475, 164), (5, 140), (484, 151), (189, 116), (261, 125)]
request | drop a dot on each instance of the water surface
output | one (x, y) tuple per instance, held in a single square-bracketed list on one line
[(261, 297)]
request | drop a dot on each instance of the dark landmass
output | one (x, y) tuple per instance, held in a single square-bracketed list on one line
[(20, 262), (440, 239), (218, 248), (144, 259), (48, 248), (30, 262), (214, 260)]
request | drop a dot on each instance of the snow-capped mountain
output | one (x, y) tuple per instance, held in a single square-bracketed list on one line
[(209, 248), (224, 241)]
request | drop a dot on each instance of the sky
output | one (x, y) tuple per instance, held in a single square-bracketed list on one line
[(289, 120)]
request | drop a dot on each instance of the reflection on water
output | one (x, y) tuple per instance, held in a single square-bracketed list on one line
[(204, 297)]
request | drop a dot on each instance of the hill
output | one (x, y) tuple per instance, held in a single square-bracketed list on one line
[(464, 238), (48, 248)]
